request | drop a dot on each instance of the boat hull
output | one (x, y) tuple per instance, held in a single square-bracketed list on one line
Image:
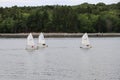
[(29, 47), (42, 46), (87, 47)]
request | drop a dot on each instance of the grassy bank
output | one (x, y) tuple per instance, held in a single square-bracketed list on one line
[(24, 35)]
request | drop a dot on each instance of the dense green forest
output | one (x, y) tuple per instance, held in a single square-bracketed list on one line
[(57, 18)]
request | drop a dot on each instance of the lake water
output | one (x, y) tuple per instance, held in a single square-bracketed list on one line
[(61, 60)]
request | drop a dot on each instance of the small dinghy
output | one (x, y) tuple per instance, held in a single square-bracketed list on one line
[(41, 41), (85, 41), (30, 43)]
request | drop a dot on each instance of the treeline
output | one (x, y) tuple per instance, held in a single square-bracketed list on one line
[(81, 18)]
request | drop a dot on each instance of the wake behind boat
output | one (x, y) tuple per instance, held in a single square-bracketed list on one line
[(85, 41), (30, 43), (41, 41)]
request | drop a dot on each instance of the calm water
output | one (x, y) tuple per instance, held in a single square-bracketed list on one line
[(62, 60)]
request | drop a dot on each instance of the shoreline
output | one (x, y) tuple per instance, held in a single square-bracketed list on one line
[(57, 35)]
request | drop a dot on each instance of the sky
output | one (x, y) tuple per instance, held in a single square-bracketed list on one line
[(9, 3)]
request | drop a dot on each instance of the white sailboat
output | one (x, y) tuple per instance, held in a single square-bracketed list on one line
[(30, 43), (85, 41), (41, 41)]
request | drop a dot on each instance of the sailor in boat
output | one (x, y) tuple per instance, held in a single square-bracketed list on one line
[(44, 44), (89, 46), (32, 46)]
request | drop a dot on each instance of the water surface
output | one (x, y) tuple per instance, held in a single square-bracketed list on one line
[(62, 60)]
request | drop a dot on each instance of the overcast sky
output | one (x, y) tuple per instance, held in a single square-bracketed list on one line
[(9, 3)]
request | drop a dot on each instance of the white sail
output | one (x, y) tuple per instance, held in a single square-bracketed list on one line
[(41, 39), (85, 39), (30, 40), (30, 43)]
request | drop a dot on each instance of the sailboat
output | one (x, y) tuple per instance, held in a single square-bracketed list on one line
[(41, 41), (85, 41), (30, 43)]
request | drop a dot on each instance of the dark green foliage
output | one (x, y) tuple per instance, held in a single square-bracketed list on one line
[(81, 18)]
